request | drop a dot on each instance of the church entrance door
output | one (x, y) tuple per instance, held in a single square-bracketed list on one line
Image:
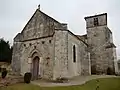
[(35, 70)]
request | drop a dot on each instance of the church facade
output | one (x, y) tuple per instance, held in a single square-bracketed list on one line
[(47, 49)]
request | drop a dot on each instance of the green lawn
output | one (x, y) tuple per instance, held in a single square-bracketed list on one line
[(104, 84)]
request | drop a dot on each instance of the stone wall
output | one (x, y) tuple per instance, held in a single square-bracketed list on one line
[(60, 61), (115, 60), (96, 41), (37, 36), (102, 20), (63, 64), (82, 64), (41, 25), (99, 38), (53, 44), (44, 52), (101, 57), (16, 62)]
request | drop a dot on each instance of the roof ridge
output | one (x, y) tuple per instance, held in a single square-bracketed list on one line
[(48, 15)]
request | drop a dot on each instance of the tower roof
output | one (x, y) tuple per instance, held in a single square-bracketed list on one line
[(95, 16)]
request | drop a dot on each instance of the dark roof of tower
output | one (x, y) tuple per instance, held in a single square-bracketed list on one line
[(95, 16)]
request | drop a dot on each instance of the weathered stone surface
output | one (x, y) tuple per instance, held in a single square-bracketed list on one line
[(60, 60), (64, 64), (52, 43), (16, 62), (39, 29), (40, 25), (11, 80), (99, 37), (81, 66)]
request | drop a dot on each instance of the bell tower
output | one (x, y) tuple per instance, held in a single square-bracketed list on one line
[(98, 36), (96, 20)]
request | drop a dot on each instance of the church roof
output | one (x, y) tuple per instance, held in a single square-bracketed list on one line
[(83, 37), (48, 16), (110, 45), (76, 36)]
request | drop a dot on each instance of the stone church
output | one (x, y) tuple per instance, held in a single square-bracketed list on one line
[(47, 49)]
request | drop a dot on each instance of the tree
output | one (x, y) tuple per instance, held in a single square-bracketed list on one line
[(5, 51)]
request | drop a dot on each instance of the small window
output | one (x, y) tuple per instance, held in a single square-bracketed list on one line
[(30, 44), (74, 54), (35, 47), (49, 41), (43, 42), (95, 21), (24, 45)]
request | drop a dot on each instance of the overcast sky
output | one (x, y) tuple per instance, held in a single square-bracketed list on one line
[(14, 14)]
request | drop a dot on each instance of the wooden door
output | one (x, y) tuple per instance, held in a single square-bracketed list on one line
[(35, 70)]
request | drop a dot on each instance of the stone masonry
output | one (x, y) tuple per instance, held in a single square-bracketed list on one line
[(61, 53), (99, 39)]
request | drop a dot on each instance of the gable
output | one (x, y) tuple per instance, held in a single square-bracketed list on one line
[(40, 25)]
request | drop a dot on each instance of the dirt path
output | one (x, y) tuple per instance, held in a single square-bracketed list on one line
[(74, 81)]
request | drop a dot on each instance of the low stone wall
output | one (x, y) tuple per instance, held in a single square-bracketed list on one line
[(11, 80)]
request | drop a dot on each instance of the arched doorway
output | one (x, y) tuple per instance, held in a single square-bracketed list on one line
[(35, 68)]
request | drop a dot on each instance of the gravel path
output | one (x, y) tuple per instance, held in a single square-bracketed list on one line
[(78, 80)]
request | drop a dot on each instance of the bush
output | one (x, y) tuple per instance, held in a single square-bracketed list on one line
[(110, 71), (117, 74), (4, 73), (3, 69), (27, 77), (62, 80), (0, 69), (93, 69)]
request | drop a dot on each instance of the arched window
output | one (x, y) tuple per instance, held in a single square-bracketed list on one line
[(74, 53)]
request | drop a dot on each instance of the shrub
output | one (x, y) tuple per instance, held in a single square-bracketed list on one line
[(4, 73), (3, 69), (27, 77), (110, 71), (117, 74), (93, 69), (61, 79), (0, 69)]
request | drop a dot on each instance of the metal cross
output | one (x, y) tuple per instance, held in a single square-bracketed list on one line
[(39, 6)]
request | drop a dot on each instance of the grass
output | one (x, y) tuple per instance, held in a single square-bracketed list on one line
[(104, 84)]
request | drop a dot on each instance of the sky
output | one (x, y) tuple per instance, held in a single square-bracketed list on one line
[(14, 14)]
